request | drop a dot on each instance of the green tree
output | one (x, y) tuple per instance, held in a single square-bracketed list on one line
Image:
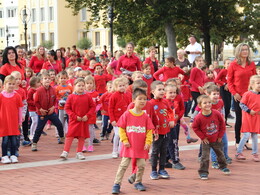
[(47, 44), (84, 43)]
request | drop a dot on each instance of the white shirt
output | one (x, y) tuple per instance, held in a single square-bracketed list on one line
[(195, 47)]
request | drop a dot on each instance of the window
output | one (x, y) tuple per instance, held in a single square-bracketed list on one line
[(51, 15), (84, 34), (2, 32), (52, 37), (97, 38), (42, 37), (42, 14), (1, 14), (83, 14), (34, 39), (11, 13), (33, 15)]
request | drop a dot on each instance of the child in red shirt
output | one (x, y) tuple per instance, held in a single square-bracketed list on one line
[(34, 85), (148, 78), (135, 131), (90, 90), (166, 120), (78, 118), (62, 92), (100, 79), (209, 76), (209, 125), (104, 100), (137, 75), (45, 100), (11, 118), (118, 104)]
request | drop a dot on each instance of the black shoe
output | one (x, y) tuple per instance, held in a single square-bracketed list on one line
[(178, 166), (116, 189), (168, 165), (230, 116), (139, 186), (192, 140), (228, 126), (96, 141)]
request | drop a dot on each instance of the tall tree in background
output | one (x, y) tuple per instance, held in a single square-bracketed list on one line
[(151, 22)]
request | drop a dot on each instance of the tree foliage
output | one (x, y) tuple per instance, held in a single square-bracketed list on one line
[(47, 44), (162, 22), (84, 43)]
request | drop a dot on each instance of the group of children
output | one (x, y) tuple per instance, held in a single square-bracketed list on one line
[(145, 117)]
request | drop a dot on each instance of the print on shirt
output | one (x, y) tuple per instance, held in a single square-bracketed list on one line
[(212, 128), (135, 129)]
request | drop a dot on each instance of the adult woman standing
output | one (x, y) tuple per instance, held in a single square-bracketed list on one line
[(38, 60), (129, 63), (60, 59), (197, 80), (10, 63), (151, 60), (239, 73), (52, 62), (181, 61)]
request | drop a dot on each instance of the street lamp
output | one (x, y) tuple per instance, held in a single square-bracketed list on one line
[(25, 17), (7, 35), (111, 17)]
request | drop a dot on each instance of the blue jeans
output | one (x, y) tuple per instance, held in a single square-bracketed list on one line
[(244, 140), (13, 144), (106, 127), (42, 122), (225, 149), (187, 106)]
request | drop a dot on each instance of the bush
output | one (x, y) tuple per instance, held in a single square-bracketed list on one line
[(47, 44), (84, 43)]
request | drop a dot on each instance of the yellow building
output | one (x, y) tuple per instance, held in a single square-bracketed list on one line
[(50, 20)]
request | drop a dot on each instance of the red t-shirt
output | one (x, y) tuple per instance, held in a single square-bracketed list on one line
[(96, 100), (101, 81), (136, 127), (131, 63), (197, 79), (36, 64), (62, 92), (48, 65), (211, 127), (7, 69), (168, 73), (104, 100), (221, 79), (30, 100)]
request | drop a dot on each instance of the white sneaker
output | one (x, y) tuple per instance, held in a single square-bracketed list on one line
[(80, 156), (5, 160), (114, 155), (64, 155), (14, 159)]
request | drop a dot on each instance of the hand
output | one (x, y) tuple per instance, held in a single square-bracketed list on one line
[(252, 112), (156, 136), (205, 141), (237, 97), (177, 116), (51, 110), (146, 147), (226, 87), (79, 118), (219, 140), (84, 118), (127, 145), (43, 112), (201, 90), (172, 124), (113, 123)]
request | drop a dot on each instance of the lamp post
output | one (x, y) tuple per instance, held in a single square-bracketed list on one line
[(7, 35), (111, 17), (25, 16)]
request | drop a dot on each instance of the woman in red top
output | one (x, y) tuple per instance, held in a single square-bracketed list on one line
[(239, 73), (52, 62), (10, 63), (152, 61), (197, 79), (129, 63), (38, 59), (60, 59)]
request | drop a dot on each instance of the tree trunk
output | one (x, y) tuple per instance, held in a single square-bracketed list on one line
[(207, 47), (171, 39)]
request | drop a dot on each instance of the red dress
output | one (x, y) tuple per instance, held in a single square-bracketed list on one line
[(251, 123), (74, 107), (9, 115), (96, 100), (136, 127)]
